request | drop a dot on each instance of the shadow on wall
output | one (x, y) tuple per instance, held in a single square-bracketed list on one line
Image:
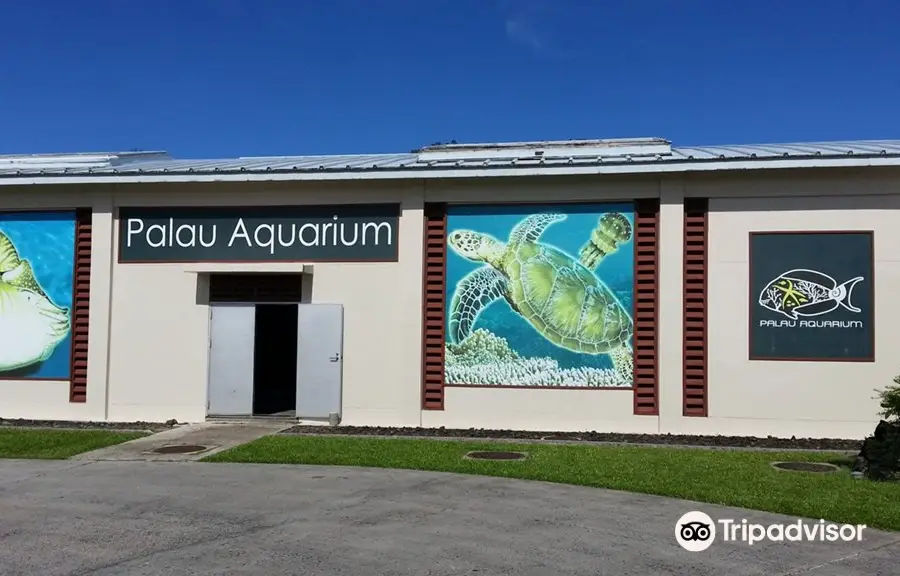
[(846, 203), (873, 189), (306, 289), (201, 295)]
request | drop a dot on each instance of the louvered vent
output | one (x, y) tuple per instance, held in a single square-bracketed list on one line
[(255, 287), (81, 301), (696, 218), (646, 306), (435, 258)]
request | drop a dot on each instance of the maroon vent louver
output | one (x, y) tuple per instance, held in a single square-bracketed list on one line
[(434, 289), (646, 307), (696, 221), (81, 301)]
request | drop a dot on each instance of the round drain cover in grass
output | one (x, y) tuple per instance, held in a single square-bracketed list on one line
[(496, 455), (805, 466), (179, 449)]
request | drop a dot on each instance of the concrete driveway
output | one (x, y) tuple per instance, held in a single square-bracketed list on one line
[(142, 518)]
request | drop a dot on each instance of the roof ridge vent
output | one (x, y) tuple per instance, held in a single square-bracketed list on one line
[(608, 148), (76, 160)]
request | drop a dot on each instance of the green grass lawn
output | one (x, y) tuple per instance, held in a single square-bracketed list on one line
[(729, 477), (57, 444)]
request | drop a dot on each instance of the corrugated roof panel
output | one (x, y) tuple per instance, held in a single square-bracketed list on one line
[(864, 147), (401, 162)]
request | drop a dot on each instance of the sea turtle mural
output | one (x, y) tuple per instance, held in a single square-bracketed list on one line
[(558, 295)]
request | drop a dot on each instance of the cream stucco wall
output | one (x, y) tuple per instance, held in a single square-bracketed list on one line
[(149, 322), (832, 399), (782, 398), (160, 329)]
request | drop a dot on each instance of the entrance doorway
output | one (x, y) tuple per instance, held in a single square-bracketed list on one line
[(270, 354), (275, 360)]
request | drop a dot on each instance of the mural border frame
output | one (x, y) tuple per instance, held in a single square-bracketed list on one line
[(645, 389), (695, 311), (81, 300), (633, 310), (870, 233)]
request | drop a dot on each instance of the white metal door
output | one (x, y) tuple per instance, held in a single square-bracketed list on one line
[(320, 360), (231, 333)]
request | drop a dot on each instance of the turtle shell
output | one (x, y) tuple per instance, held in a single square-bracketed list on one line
[(565, 301)]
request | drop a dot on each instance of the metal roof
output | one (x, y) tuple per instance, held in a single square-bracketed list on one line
[(74, 160), (511, 159)]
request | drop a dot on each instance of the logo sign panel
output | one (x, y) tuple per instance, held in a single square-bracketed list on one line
[(811, 296), (353, 232)]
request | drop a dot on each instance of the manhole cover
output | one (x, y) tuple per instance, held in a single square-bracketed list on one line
[(558, 437), (805, 466), (179, 449), (496, 455)]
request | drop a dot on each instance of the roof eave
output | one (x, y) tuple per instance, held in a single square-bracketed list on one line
[(427, 172)]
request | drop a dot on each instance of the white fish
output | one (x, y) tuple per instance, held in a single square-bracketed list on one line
[(31, 325), (807, 293)]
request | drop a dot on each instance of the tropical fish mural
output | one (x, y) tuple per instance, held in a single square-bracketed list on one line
[(36, 285), (540, 296)]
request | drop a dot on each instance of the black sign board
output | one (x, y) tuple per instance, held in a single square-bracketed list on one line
[(812, 296), (350, 232)]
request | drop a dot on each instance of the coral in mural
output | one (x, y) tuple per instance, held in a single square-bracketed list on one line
[(486, 358)]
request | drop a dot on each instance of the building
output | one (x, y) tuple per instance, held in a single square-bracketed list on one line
[(610, 285)]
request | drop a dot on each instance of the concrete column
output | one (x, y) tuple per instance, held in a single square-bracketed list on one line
[(671, 303)]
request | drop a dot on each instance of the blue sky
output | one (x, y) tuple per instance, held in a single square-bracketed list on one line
[(214, 78)]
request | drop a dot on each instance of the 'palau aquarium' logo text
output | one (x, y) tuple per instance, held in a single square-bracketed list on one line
[(801, 295)]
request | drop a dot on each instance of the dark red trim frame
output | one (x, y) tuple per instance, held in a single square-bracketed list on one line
[(695, 389), (434, 284), (645, 307), (81, 302)]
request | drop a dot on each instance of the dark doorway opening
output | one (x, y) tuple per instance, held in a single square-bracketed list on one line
[(275, 359), (274, 298)]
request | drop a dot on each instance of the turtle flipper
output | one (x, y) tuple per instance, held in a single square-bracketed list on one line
[(623, 363), (612, 229), (473, 294), (531, 228)]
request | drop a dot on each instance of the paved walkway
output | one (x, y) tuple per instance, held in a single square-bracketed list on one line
[(212, 437), (155, 518)]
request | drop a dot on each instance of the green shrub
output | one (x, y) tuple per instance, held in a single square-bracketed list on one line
[(881, 451), (889, 400)]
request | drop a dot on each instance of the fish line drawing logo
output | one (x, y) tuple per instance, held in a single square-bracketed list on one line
[(803, 293)]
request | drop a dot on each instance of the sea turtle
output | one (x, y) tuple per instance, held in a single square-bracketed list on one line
[(31, 325), (560, 297)]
